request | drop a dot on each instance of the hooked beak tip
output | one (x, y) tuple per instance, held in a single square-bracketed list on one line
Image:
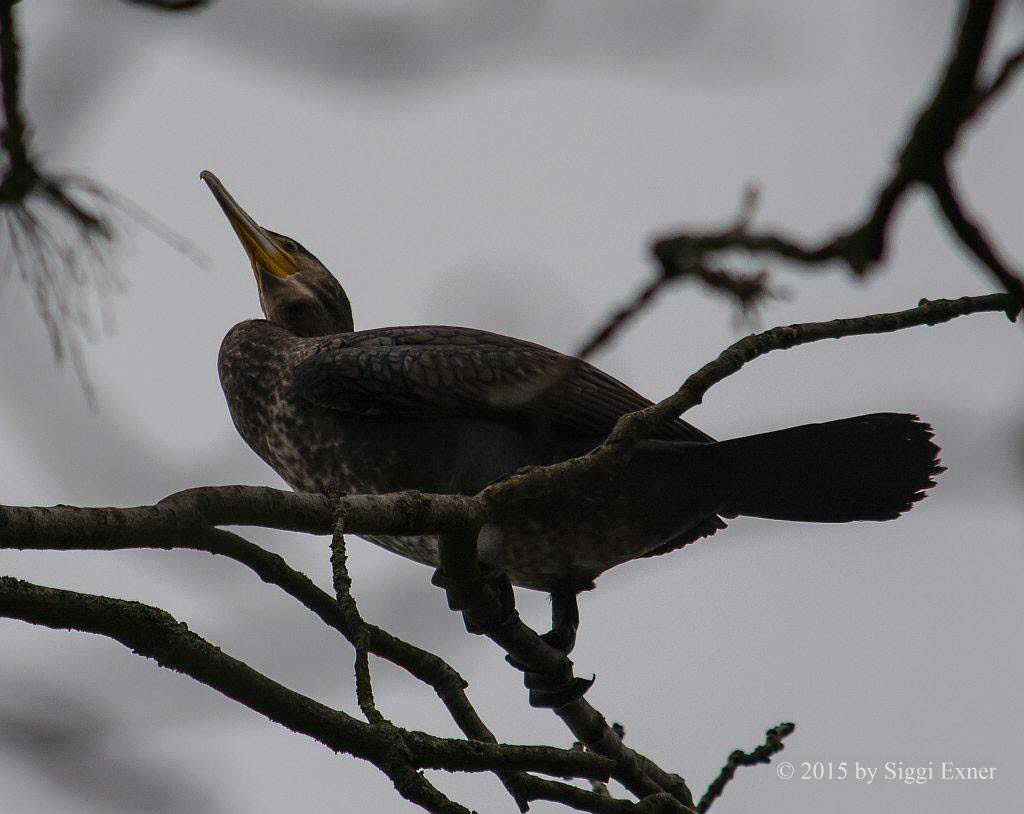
[(263, 251)]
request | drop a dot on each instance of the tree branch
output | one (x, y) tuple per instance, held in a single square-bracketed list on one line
[(540, 789), (638, 774), (154, 633), (57, 231), (185, 520), (957, 99), (488, 615), (762, 754), (462, 711), (1000, 82), (691, 393), (972, 237), (170, 5), (931, 138)]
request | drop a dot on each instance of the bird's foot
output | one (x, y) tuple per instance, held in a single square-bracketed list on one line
[(552, 691), (485, 602), (547, 692)]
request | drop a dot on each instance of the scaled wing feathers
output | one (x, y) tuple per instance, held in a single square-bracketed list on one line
[(437, 370)]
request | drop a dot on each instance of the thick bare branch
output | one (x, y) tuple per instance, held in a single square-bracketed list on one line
[(164, 524), (184, 520), (155, 634)]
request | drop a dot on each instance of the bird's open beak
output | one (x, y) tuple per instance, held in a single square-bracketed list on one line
[(264, 253)]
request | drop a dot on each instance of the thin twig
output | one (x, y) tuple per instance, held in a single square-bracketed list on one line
[(691, 393), (62, 229), (973, 237), (1000, 82), (357, 627), (762, 754), (364, 688), (364, 638)]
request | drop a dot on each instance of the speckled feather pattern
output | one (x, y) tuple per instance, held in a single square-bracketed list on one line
[(438, 409)]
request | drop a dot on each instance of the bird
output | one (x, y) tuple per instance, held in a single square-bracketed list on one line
[(445, 409)]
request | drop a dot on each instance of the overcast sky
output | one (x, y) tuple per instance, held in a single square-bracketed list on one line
[(504, 166)]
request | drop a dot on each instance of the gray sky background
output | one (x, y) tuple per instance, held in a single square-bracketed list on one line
[(504, 166)]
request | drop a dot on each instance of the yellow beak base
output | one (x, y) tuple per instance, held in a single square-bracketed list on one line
[(264, 252)]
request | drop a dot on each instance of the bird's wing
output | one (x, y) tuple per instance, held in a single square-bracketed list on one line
[(445, 371)]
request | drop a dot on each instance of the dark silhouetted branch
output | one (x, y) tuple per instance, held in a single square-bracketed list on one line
[(932, 136), (347, 602), (928, 312), (1002, 79), (958, 98), (581, 800), (52, 258), (762, 754), (399, 753), (170, 5), (154, 633), (749, 289), (186, 520), (57, 231), (973, 238), (494, 618)]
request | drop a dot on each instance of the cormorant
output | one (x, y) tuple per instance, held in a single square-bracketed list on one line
[(450, 410)]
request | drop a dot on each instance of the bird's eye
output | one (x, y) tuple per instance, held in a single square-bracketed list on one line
[(289, 246)]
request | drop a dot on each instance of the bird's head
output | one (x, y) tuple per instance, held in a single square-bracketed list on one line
[(296, 291)]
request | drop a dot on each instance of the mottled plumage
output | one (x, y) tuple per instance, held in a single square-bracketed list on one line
[(448, 409), (433, 408)]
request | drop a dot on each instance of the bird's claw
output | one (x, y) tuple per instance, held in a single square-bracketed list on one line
[(547, 692), (553, 698)]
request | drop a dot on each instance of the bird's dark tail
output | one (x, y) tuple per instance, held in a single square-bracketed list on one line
[(872, 467)]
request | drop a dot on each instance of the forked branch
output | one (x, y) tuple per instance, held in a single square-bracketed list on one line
[(959, 97)]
